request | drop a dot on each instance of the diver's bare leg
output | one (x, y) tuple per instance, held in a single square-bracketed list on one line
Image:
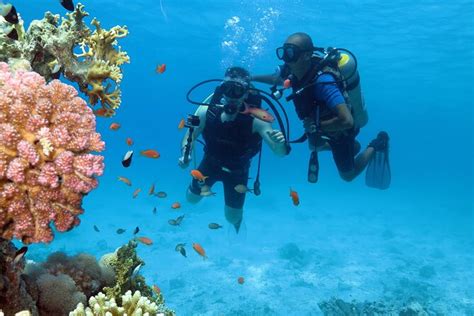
[(234, 216), (361, 161), (192, 198)]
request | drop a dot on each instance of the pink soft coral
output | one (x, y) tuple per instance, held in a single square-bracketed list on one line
[(47, 134)]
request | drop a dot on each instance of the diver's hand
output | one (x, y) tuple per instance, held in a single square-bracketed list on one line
[(182, 163), (276, 136), (309, 125)]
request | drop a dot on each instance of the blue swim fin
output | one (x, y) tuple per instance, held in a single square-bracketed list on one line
[(377, 174)]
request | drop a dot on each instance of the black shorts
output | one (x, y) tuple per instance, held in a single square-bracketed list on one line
[(344, 150), (213, 170)]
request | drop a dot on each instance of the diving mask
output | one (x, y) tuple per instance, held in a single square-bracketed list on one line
[(290, 52), (233, 89)]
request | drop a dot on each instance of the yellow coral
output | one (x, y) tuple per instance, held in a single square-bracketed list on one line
[(99, 50), (47, 47)]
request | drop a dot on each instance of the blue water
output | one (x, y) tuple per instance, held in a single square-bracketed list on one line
[(416, 61)]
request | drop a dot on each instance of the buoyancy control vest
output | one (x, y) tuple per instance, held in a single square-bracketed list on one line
[(232, 143), (306, 102)]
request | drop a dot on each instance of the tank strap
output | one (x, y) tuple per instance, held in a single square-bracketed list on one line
[(341, 83)]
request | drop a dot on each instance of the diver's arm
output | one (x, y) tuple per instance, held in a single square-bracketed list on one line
[(269, 79), (341, 122), (272, 137), (332, 96)]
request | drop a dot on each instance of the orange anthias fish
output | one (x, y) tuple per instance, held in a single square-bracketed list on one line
[(181, 124), (294, 197), (156, 289), (152, 189), (175, 205), (150, 153), (287, 83), (102, 112), (160, 68), (145, 240), (240, 280), (114, 126), (200, 250), (135, 193), (261, 114), (125, 180), (129, 141), (196, 174)]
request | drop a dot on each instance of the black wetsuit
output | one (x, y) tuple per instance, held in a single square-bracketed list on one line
[(229, 148)]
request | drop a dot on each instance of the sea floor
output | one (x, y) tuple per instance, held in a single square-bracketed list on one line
[(298, 260)]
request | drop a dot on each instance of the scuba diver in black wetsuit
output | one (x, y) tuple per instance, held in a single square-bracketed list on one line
[(231, 139), (327, 98)]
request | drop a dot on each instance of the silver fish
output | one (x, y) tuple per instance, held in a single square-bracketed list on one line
[(180, 248), (20, 253), (136, 271), (214, 226), (127, 159), (67, 4), (9, 13)]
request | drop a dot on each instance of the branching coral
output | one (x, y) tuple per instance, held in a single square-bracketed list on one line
[(132, 305), (47, 135), (48, 48)]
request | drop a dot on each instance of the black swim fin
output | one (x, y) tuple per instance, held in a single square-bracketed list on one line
[(378, 173)]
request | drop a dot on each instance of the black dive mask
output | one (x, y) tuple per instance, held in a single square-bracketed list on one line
[(233, 89), (290, 52)]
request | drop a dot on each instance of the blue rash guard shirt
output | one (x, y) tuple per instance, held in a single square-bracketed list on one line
[(328, 93)]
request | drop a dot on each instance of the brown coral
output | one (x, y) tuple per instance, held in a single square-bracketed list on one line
[(13, 288), (83, 269), (59, 295)]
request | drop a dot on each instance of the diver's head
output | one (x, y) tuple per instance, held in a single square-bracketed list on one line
[(297, 50), (235, 89)]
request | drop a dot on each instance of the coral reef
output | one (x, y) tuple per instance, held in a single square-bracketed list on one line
[(126, 264), (47, 47), (62, 283), (335, 306), (59, 294), (135, 304), (124, 261), (13, 288), (83, 269), (47, 135)]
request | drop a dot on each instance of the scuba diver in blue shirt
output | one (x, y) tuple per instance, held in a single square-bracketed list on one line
[(231, 139), (327, 98)]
